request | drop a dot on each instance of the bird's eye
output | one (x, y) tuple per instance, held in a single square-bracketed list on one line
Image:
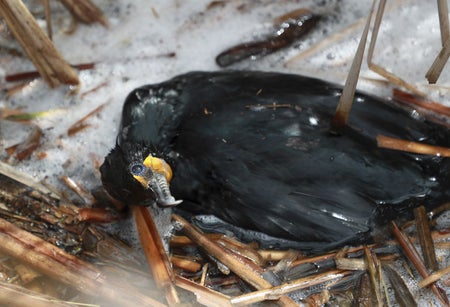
[(137, 169)]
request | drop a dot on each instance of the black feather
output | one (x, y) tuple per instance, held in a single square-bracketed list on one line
[(278, 170)]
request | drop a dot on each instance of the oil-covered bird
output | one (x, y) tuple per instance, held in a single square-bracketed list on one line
[(255, 150)]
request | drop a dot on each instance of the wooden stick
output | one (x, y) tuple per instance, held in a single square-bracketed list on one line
[(81, 123), (156, 254), (39, 48), (54, 262), (247, 270), (412, 147)]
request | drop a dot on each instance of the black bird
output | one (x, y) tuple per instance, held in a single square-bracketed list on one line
[(255, 150)]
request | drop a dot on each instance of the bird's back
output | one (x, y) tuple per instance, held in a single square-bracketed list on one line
[(255, 149)]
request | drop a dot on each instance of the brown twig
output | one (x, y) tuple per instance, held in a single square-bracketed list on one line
[(156, 254), (185, 264), (412, 147), (81, 123), (27, 147), (241, 249), (81, 191), (247, 270), (185, 241), (28, 75), (39, 48), (409, 99)]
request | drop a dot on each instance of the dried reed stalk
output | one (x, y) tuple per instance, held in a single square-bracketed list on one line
[(185, 264), (39, 48), (248, 271), (15, 296), (55, 263), (274, 292), (204, 295), (342, 113), (156, 254), (436, 68), (372, 268), (432, 278), (85, 11), (413, 256), (438, 65), (377, 68)]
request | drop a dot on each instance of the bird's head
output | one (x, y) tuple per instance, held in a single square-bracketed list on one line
[(134, 174)]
